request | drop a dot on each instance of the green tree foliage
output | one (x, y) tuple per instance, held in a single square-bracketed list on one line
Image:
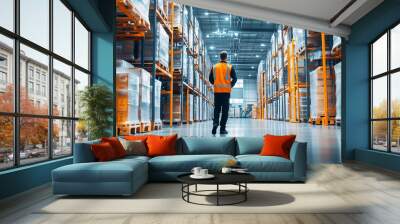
[(97, 104), (380, 127)]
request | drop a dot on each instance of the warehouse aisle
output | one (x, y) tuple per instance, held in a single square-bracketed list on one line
[(323, 142)]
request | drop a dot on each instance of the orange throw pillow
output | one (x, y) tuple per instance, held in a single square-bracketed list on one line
[(103, 152), (116, 145), (277, 145), (161, 145)]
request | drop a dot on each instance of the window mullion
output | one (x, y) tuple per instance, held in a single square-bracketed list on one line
[(389, 101), (50, 81), (16, 84), (73, 81)]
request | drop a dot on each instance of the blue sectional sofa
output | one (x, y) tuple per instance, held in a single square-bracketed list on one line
[(125, 176)]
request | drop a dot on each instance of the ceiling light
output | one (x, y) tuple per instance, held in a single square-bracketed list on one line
[(252, 67), (227, 18), (208, 36), (206, 13), (263, 45), (215, 56), (249, 75), (212, 47), (257, 56), (236, 34), (235, 54)]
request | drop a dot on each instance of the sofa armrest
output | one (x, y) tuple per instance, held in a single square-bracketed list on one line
[(298, 155), (83, 152)]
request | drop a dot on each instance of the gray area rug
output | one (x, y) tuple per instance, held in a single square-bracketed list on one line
[(166, 198)]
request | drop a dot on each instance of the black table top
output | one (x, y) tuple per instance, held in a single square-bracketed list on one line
[(220, 178)]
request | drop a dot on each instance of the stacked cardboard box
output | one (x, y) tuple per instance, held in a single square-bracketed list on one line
[(162, 47), (157, 101), (145, 88), (338, 80), (127, 100), (317, 93), (176, 115)]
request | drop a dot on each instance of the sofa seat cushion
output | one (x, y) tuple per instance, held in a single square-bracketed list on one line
[(257, 163), (185, 163), (114, 171)]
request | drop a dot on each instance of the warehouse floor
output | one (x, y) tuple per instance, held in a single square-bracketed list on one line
[(323, 142)]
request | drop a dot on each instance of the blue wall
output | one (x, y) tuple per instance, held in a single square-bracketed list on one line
[(357, 81), (24, 178), (99, 16)]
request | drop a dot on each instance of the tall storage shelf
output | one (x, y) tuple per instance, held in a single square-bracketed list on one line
[(192, 92), (161, 42), (145, 44), (300, 81)]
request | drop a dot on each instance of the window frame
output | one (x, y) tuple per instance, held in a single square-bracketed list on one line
[(388, 74), (16, 114)]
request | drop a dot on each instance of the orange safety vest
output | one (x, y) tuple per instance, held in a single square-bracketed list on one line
[(222, 77)]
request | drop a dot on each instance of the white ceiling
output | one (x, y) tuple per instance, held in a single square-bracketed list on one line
[(316, 15)]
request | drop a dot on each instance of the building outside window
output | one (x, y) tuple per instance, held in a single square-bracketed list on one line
[(3, 78), (38, 89), (30, 72), (30, 87), (43, 90), (385, 95), (56, 132)]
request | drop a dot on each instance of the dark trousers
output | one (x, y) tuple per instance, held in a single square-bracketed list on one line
[(221, 102)]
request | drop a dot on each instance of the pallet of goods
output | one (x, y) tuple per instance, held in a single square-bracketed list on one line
[(127, 98), (318, 94)]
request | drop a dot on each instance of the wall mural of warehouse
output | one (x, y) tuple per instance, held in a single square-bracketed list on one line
[(298, 79)]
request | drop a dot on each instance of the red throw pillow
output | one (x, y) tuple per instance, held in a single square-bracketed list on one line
[(116, 145), (161, 145), (277, 145), (103, 152)]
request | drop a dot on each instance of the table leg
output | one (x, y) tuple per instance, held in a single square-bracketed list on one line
[(217, 194), (196, 187), (245, 193), (188, 190)]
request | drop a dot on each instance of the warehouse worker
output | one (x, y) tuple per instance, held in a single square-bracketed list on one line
[(223, 77)]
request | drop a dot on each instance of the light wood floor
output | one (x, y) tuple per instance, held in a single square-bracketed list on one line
[(379, 189)]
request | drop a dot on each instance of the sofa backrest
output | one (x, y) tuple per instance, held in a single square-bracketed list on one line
[(249, 145), (83, 152), (206, 145)]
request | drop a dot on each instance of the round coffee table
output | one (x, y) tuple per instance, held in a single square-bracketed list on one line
[(238, 179)]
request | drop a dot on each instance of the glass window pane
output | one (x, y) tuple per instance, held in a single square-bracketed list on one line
[(379, 55), (6, 74), (81, 82), (395, 135), (6, 142), (81, 131), (35, 21), (33, 139), (62, 29), (81, 45), (34, 96), (379, 98), (379, 135), (62, 89), (62, 138), (395, 47), (395, 94), (7, 14)]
